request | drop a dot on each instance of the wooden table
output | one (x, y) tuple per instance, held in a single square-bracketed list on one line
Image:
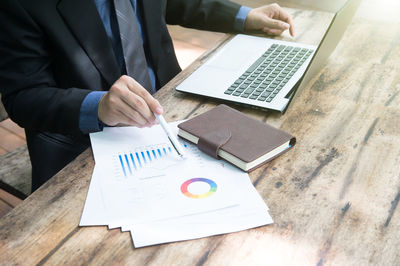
[(334, 197)]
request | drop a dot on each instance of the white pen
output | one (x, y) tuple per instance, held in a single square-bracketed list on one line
[(174, 141)]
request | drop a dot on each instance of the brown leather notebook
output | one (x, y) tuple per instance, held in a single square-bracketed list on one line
[(241, 140)]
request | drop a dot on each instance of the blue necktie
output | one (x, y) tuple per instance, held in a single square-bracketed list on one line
[(132, 47)]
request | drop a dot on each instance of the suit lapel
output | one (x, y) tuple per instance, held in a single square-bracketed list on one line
[(84, 21)]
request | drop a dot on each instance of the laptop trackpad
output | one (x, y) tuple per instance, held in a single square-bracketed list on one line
[(209, 80), (232, 58)]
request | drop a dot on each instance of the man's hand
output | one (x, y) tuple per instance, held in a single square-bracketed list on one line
[(127, 103), (271, 19)]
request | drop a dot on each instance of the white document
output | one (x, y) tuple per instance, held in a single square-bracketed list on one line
[(152, 234), (94, 211), (251, 212), (141, 185)]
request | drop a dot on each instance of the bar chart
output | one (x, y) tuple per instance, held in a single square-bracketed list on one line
[(155, 158)]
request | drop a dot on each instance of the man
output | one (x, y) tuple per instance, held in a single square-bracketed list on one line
[(63, 64)]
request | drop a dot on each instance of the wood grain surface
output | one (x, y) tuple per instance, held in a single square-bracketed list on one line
[(334, 197), (16, 170)]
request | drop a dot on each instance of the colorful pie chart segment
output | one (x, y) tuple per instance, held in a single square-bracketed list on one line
[(185, 191)]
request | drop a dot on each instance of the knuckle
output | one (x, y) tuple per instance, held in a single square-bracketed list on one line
[(116, 89), (125, 78), (138, 102), (113, 88), (148, 98), (143, 93)]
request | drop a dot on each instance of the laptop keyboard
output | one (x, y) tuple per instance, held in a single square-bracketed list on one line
[(263, 80)]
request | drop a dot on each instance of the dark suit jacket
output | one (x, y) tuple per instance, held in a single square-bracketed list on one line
[(54, 52)]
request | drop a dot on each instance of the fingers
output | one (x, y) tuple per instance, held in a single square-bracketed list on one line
[(275, 24), (291, 29), (151, 103), (281, 14), (136, 114), (134, 105), (139, 99), (113, 110), (109, 110), (126, 121), (128, 103), (272, 31), (271, 19)]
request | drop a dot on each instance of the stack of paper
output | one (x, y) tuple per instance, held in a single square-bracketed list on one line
[(141, 185)]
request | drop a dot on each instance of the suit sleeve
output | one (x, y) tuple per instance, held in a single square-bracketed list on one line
[(214, 15), (28, 88)]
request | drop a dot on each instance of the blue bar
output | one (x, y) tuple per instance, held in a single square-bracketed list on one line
[(165, 151), (122, 164), (127, 162), (148, 154), (154, 153), (137, 157), (144, 158), (159, 152), (169, 148), (133, 161), (185, 145)]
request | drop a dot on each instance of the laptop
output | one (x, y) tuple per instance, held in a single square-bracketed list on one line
[(266, 73)]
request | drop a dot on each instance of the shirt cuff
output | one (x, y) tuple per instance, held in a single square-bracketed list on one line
[(241, 18), (88, 118)]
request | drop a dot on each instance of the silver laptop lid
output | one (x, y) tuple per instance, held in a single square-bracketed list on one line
[(332, 36)]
